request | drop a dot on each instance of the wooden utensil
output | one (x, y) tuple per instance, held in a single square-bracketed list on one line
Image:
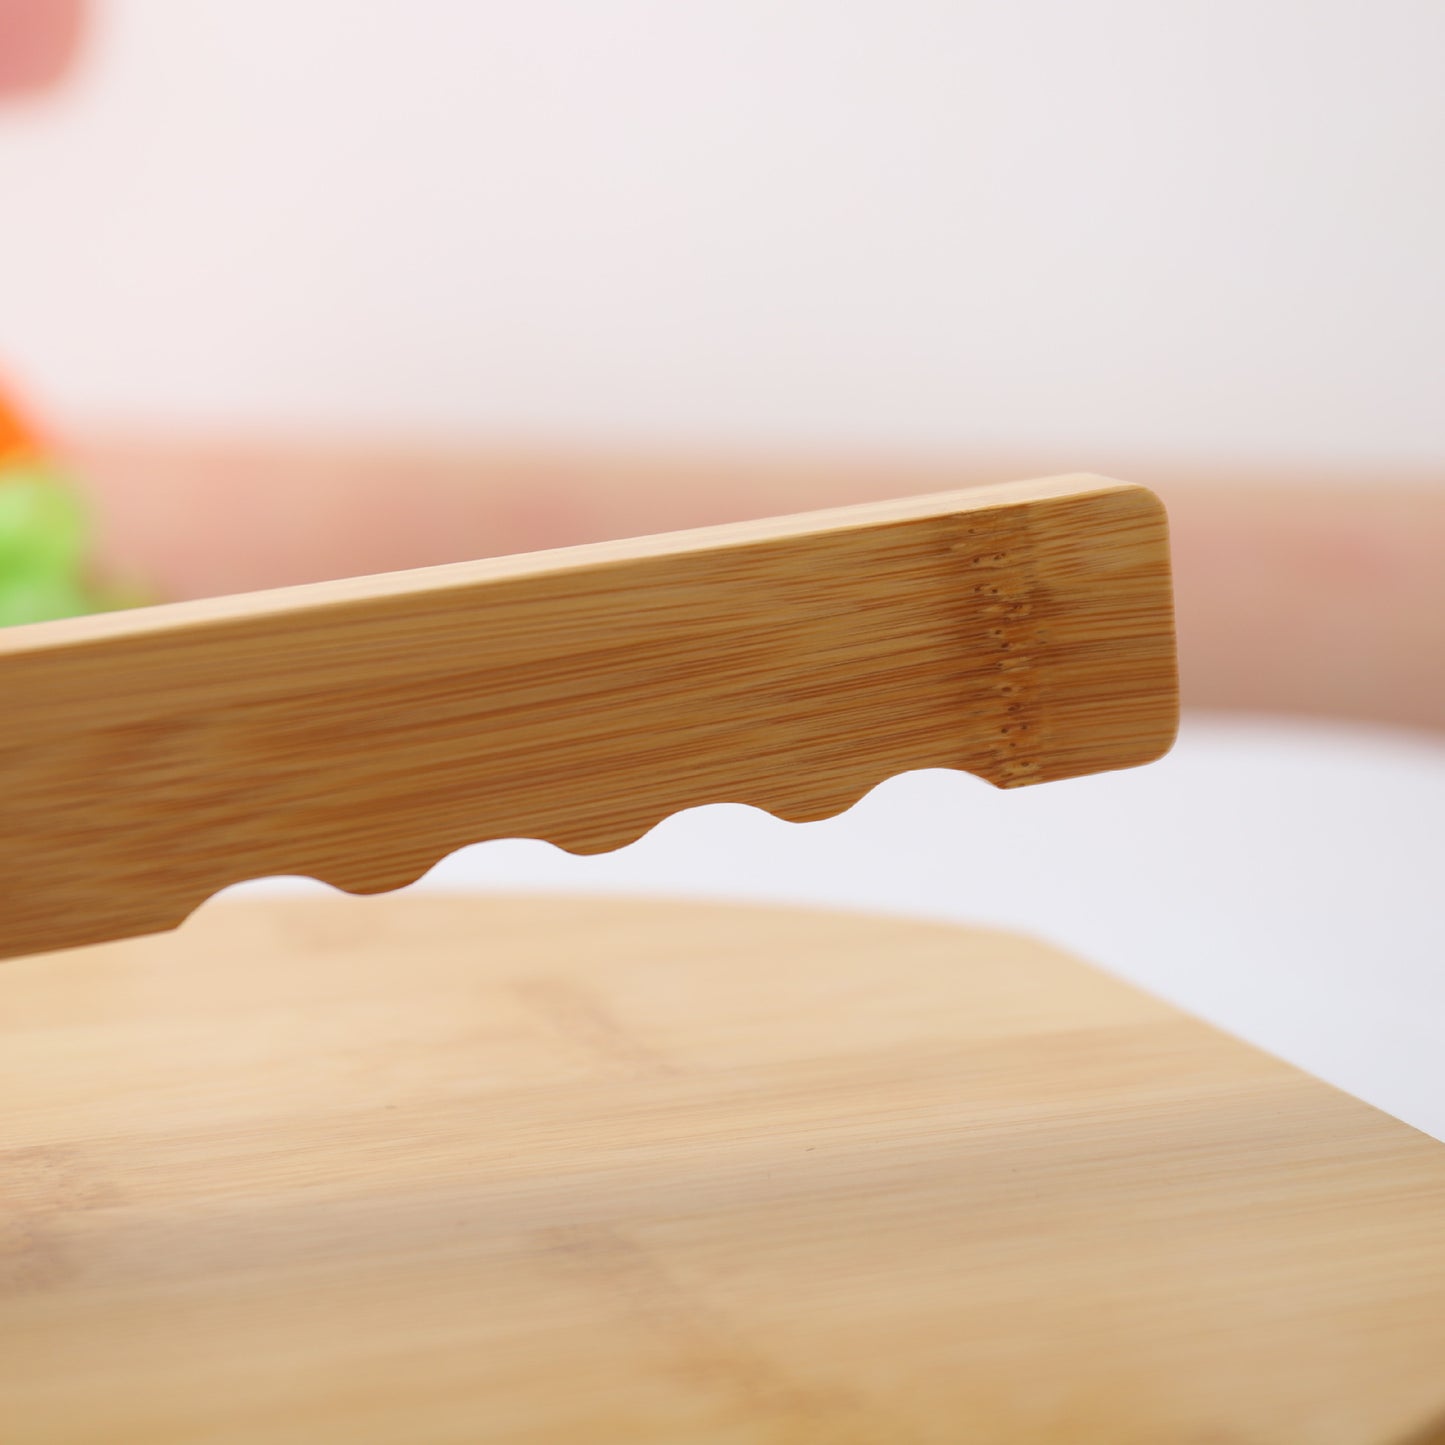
[(358, 731)]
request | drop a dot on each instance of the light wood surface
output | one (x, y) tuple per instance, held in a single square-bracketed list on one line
[(359, 731), (423, 1170)]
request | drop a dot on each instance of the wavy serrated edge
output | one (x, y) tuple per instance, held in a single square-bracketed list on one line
[(410, 875)]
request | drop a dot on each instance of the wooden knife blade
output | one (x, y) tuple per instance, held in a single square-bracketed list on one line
[(359, 731)]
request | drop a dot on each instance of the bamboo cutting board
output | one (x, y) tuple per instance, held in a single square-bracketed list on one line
[(413, 1170)]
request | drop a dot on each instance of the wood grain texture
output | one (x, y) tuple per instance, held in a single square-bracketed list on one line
[(359, 731), (407, 1171)]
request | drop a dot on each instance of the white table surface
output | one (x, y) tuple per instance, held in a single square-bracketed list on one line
[(1283, 880)]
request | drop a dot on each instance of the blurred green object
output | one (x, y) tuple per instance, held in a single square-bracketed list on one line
[(43, 545), (40, 599)]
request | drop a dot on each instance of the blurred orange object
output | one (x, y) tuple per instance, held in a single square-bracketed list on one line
[(17, 436)]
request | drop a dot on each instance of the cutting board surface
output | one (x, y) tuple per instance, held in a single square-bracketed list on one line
[(535, 1170)]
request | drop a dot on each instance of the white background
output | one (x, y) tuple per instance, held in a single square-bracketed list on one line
[(1200, 228)]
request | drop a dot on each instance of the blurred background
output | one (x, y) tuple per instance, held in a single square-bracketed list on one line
[(293, 289), (1195, 232)]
